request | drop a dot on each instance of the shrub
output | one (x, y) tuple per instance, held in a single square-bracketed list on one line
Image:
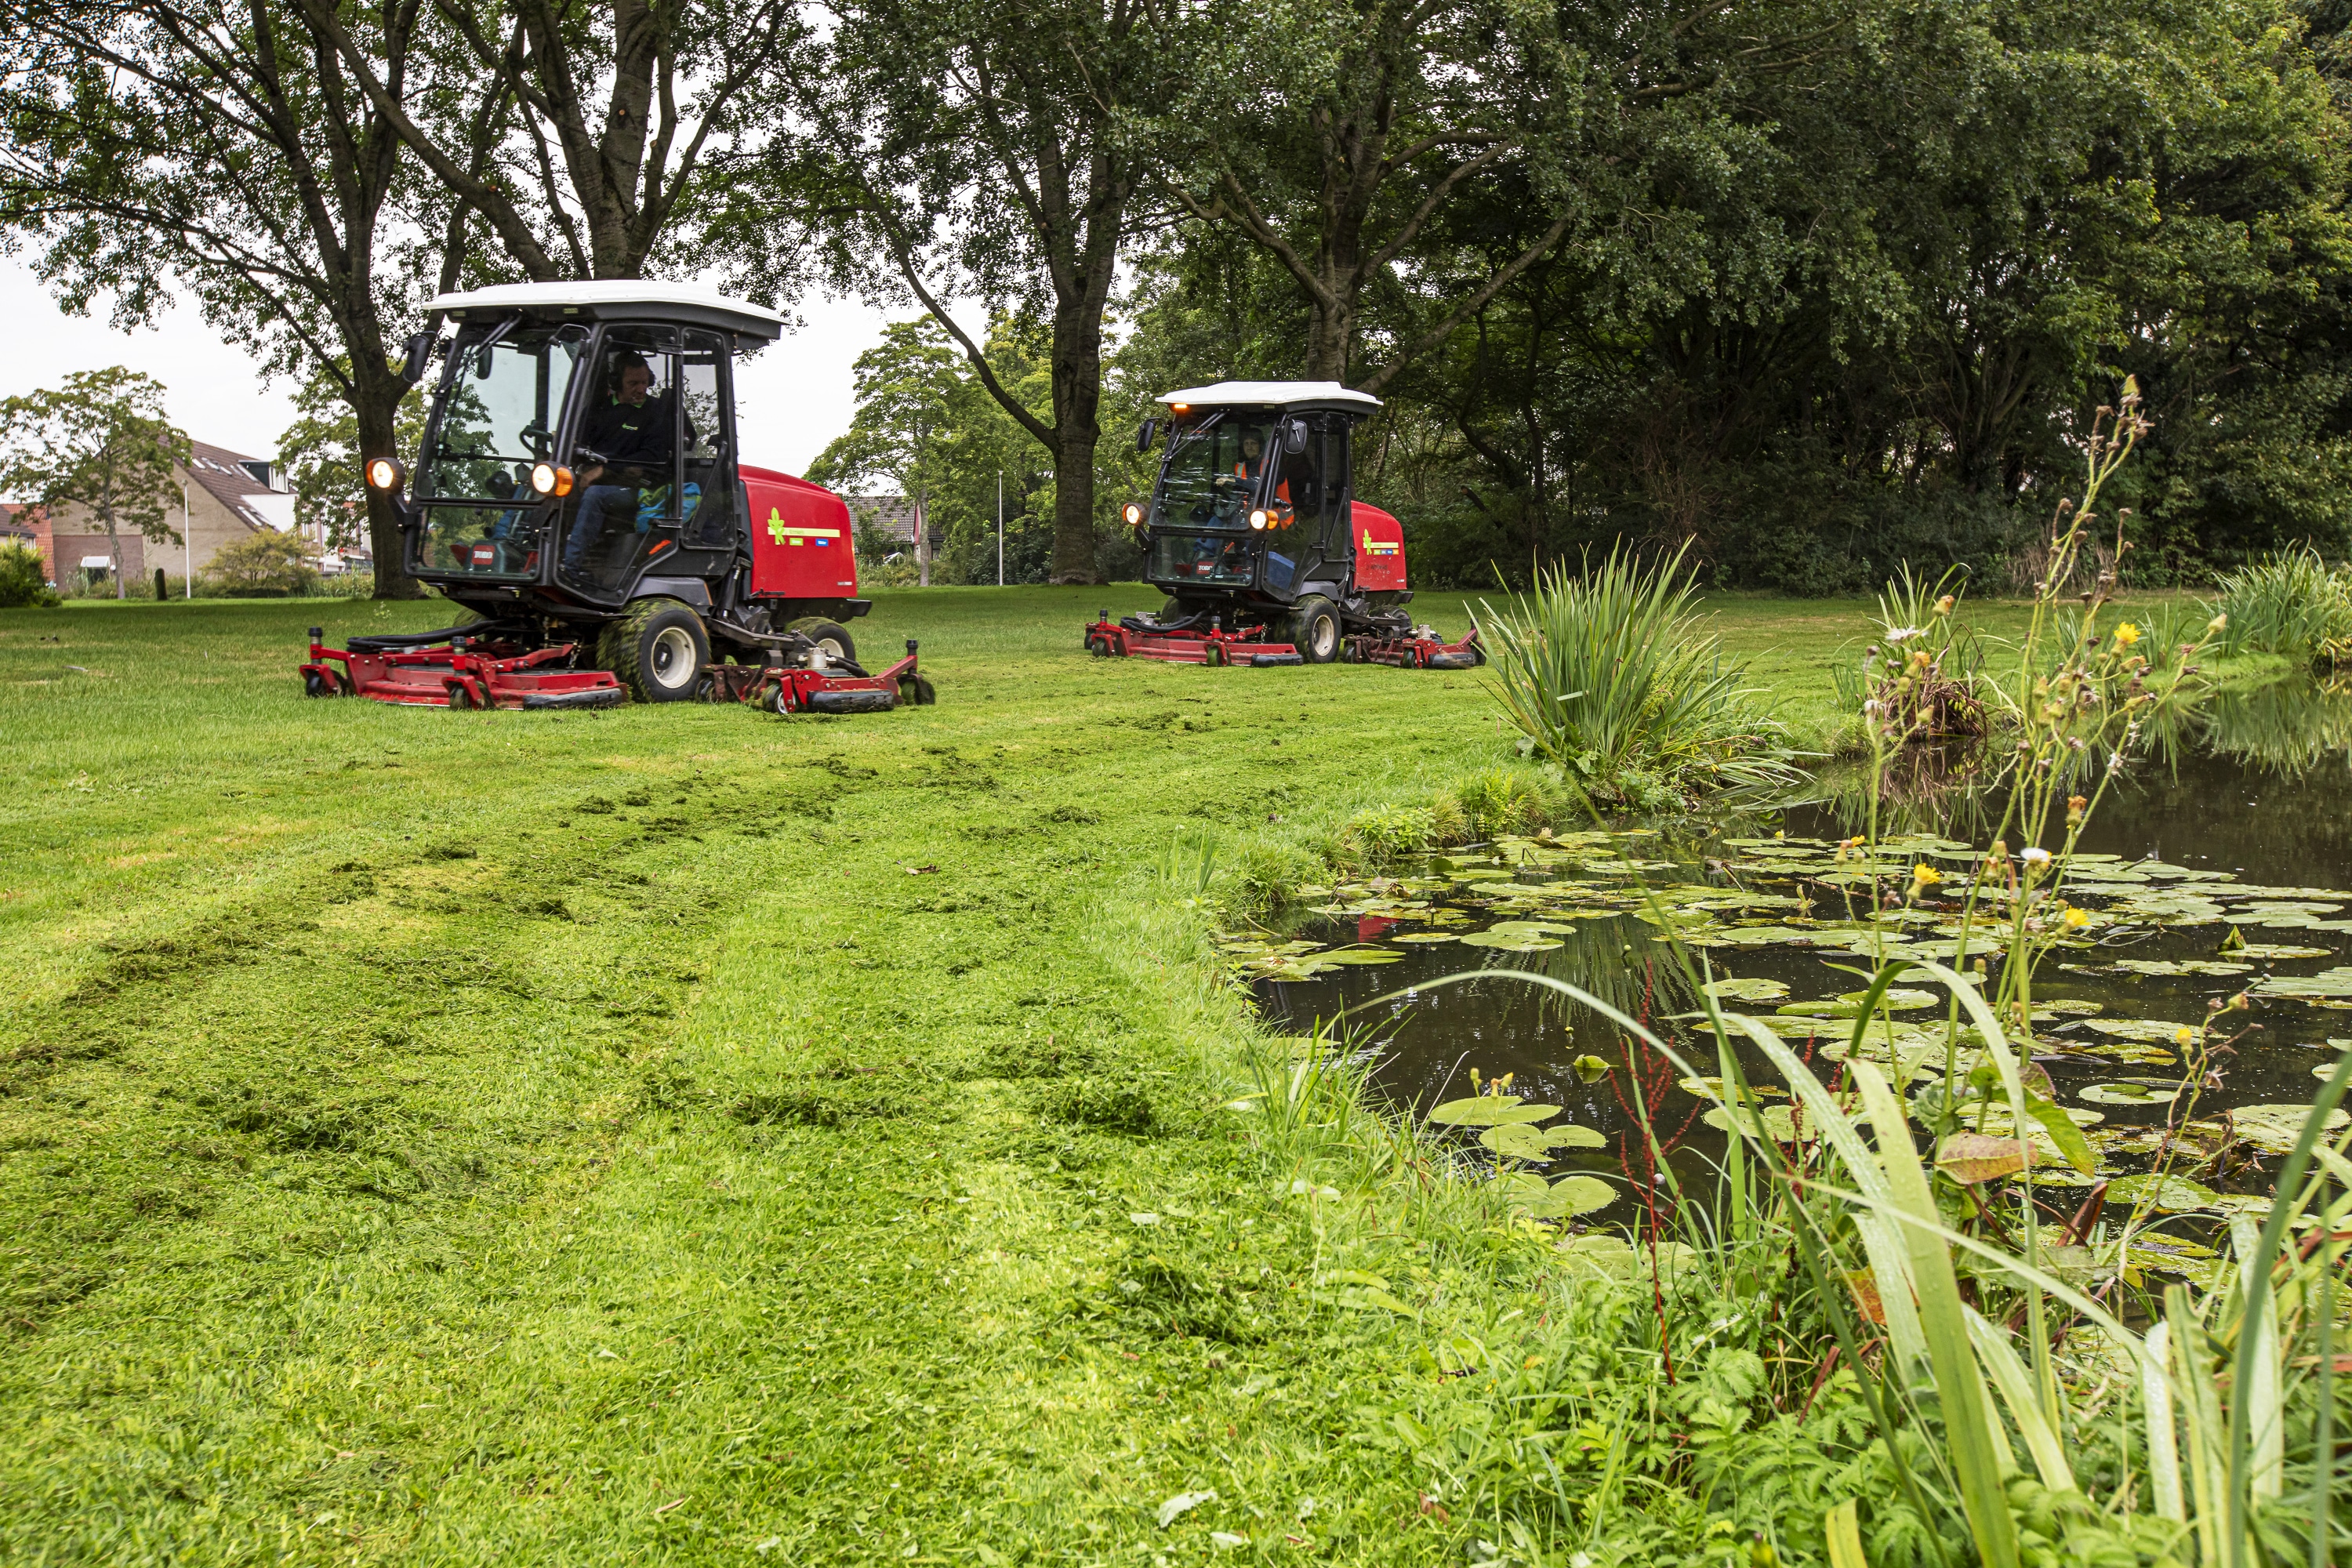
[(1499, 801), (24, 582), (1610, 675), (1268, 877), (2289, 603), (1374, 839), (267, 564)]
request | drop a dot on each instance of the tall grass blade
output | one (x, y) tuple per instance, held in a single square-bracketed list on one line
[(1981, 1453), (1844, 1532), (2163, 1429), (2024, 1401)]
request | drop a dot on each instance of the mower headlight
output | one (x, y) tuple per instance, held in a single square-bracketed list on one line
[(550, 478), (385, 474), (1257, 518), (1133, 513)]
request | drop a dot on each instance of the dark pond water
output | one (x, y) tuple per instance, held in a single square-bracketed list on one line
[(2224, 867)]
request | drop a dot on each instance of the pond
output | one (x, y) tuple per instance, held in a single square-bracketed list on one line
[(2216, 870)]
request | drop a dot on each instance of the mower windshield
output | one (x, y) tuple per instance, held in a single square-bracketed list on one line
[(499, 406), (1213, 474)]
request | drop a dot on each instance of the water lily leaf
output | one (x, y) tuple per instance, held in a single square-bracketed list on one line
[(2279, 949), (1524, 1141), (2167, 1194), (1612, 1256), (1426, 936), (2179, 966), (1570, 1197), (1508, 942), (1897, 999), (1778, 1122), (2336, 981), (2156, 1031), (1530, 928), (2273, 1128), (1490, 1111), (1591, 1068), (1755, 989), (1970, 1158), (2130, 1091), (1359, 955)]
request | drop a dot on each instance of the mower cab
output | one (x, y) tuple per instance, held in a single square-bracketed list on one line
[(580, 488), (1254, 534)]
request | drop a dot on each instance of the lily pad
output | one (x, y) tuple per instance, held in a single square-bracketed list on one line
[(1426, 936), (1970, 1158), (2336, 981), (1523, 1140), (2167, 1195), (1897, 999), (2155, 1031), (1612, 1256), (2281, 950), (1490, 1111), (1754, 989), (1508, 942), (1359, 955), (2273, 1128), (2179, 966), (2130, 1091), (1778, 1122), (1570, 1197)]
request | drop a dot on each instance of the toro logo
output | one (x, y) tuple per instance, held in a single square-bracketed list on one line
[(1377, 546), (796, 537)]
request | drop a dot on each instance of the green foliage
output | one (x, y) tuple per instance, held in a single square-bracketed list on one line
[(266, 563), (24, 578), (926, 426), (1498, 801), (1612, 678), (1374, 839), (2289, 603)]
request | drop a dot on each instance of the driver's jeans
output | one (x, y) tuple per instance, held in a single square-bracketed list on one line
[(602, 508)]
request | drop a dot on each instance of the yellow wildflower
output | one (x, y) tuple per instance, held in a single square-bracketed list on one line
[(1923, 876), (2075, 918), (2126, 635), (1944, 605), (2184, 1036)]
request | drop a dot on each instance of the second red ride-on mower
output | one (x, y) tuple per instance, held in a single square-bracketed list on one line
[(1264, 553), (579, 490)]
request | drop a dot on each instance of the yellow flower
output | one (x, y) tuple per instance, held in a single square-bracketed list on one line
[(1924, 876), (2126, 635), (2077, 919), (2184, 1036), (1944, 605)]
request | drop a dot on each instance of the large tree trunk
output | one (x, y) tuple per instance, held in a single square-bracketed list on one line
[(376, 394), (1077, 397)]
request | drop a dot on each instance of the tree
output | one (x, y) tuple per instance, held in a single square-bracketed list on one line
[(605, 184), (986, 147), (100, 441), (223, 148), (267, 564), (926, 424)]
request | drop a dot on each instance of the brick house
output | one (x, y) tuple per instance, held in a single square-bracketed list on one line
[(225, 497)]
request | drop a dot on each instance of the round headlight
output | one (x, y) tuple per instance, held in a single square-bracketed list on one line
[(1133, 513), (384, 474), (550, 480), (1257, 518)]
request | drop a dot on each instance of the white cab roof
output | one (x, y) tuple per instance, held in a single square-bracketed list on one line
[(605, 299), (1272, 394)]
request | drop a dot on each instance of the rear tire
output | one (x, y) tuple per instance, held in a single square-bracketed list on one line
[(832, 638), (1315, 629), (914, 691), (656, 650)]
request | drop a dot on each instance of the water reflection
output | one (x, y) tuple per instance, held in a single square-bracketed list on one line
[(2232, 830)]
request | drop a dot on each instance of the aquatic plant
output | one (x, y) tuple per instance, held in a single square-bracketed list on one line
[(1923, 675), (1613, 679), (2289, 603)]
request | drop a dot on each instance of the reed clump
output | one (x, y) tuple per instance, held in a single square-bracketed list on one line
[(2292, 604)]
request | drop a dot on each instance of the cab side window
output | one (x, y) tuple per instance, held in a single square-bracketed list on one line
[(708, 440), (631, 423)]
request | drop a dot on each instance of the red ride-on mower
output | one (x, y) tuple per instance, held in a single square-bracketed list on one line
[(1253, 535), (579, 490)]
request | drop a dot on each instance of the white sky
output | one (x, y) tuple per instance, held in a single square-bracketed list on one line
[(792, 400)]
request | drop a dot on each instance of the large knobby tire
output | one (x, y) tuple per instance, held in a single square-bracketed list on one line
[(1315, 629), (656, 650), (832, 638)]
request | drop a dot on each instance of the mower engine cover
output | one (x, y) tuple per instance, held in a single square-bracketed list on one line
[(801, 545), (1380, 548)]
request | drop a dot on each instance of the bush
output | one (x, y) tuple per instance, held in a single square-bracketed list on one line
[(1610, 679), (1495, 802), (262, 565), (2289, 603), (1267, 877), (1373, 839), (24, 582)]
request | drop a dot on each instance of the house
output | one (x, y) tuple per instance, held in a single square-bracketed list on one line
[(224, 497), (894, 516)]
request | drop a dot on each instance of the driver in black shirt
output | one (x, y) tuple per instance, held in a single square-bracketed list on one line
[(634, 431)]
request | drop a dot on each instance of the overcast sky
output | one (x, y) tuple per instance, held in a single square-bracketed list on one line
[(791, 399)]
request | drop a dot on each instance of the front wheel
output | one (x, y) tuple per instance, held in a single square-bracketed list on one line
[(317, 684), (914, 691), (656, 650), (1315, 629)]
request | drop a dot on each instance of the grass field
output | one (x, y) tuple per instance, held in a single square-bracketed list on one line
[(677, 1133)]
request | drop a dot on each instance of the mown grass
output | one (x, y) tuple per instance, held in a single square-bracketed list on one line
[(681, 1134)]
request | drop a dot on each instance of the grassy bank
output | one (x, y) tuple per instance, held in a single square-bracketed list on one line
[(680, 1134)]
